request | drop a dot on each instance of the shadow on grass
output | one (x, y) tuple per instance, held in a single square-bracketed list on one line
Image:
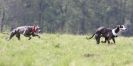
[(89, 55)]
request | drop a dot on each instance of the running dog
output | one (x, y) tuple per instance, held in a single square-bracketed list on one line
[(27, 31), (108, 33)]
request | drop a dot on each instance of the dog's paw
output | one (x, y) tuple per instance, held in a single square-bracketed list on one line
[(103, 42), (39, 37), (112, 43)]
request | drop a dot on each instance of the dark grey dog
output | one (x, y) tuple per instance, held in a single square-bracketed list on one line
[(27, 31), (108, 33)]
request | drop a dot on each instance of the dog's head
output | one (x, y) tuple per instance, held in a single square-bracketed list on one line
[(38, 29), (122, 27)]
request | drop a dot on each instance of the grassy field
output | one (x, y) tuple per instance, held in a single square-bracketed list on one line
[(65, 50)]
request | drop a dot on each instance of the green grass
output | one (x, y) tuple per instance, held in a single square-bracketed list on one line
[(65, 50)]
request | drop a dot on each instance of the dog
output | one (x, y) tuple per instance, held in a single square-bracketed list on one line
[(108, 33), (27, 31)]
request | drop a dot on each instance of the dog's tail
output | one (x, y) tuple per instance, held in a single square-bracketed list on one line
[(91, 36)]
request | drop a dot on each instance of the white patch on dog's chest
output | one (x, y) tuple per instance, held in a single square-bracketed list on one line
[(113, 31)]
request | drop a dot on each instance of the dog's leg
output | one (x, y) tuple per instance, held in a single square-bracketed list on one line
[(18, 36), (28, 35), (108, 40), (29, 38), (97, 37), (113, 40), (12, 35), (33, 34)]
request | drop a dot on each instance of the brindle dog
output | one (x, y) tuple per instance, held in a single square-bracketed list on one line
[(27, 31)]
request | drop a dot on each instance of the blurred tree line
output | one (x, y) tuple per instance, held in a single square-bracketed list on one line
[(66, 16)]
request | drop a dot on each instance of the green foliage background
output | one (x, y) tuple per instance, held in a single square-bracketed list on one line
[(68, 16)]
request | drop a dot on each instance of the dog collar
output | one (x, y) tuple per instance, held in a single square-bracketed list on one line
[(33, 29), (113, 32)]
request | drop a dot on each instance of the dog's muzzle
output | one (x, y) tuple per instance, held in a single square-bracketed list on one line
[(123, 29)]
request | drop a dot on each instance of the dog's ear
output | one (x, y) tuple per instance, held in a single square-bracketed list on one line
[(117, 25)]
